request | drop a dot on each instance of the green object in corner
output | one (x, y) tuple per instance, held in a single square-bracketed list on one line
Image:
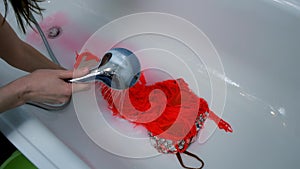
[(17, 161)]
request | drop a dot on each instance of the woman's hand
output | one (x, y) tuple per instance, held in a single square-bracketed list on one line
[(50, 86), (42, 86)]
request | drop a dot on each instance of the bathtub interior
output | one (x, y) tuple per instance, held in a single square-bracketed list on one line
[(257, 42)]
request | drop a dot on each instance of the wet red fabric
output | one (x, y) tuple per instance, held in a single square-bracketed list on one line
[(167, 109)]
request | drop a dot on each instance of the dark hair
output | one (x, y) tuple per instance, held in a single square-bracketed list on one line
[(23, 9)]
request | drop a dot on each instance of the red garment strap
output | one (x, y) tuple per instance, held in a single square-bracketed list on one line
[(192, 155)]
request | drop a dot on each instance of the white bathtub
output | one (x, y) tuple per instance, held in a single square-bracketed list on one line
[(258, 45)]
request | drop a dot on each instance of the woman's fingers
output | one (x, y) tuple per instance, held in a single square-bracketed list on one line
[(65, 74), (80, 72), (50, 86), (68, 74), (80, 86)]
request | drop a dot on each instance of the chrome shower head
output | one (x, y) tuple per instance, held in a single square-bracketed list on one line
[(119, 69)]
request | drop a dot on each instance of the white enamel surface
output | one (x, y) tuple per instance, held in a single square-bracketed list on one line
[(258, 44)]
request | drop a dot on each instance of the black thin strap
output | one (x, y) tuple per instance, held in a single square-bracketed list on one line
[(192, 155)]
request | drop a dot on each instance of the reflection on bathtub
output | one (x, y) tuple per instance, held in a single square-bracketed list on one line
[(275, 111)]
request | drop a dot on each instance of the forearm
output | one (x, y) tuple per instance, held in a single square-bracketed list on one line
[(19, 54), (29, 59)]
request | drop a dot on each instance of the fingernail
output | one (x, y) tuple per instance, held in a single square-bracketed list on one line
[(84, 68)]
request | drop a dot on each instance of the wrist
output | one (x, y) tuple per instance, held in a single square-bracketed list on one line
[(22, 90), (13, 95)]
